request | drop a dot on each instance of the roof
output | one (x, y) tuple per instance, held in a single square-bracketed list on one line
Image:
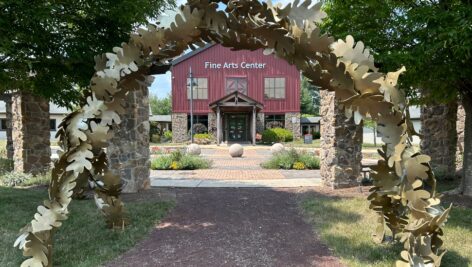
[(191, 53), (161, 118), (310, 120), (236, 99)]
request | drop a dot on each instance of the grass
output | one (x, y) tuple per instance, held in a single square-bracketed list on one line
[(83, 239), (342, 223)]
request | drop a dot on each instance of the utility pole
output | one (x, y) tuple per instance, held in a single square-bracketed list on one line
[(191, 104)]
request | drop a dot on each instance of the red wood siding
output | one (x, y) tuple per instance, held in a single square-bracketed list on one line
[(217, 79)]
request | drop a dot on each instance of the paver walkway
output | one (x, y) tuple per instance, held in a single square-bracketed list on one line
[(231, 227)]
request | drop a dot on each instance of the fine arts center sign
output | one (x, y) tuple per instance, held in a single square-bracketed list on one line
[(231, 65)]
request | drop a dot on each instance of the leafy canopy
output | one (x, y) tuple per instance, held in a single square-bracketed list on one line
[(161, 106), (47, 47), (433, 39)]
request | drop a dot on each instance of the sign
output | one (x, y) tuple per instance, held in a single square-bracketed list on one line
[(232, 65), (308, 138)]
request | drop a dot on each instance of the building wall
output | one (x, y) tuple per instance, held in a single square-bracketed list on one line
[(217, 77)]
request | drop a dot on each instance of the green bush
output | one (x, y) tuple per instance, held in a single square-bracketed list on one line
[(180, 161), (161, 163), (12, 179), (316, 135), (168, 135), (283, 135), (288, 158), (269, 136), (6, 165), (203, 138), (156, 138)]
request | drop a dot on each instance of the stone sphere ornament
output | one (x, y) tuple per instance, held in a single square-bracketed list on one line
[(236, 150), (194, 149), (277, 148)]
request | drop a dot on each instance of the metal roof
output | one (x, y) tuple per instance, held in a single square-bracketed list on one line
[(310, 120), (191, 54)]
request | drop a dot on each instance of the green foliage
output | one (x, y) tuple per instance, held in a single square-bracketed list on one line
[(292, 159), (13, 179), (177, 160), (80, 232), (309, 98), (57, 41), (6, 165), (199, 128), (161, 106), (316, 135), (430, 38), (283, 135), (269, 136), (168, 135), (203, 138)]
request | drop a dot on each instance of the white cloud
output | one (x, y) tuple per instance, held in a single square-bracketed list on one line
[(161, 85)]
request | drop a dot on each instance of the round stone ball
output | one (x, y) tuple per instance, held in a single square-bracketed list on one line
[(194, 149), (277, 148), (236, 150)]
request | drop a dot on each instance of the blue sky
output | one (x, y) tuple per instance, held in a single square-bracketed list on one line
[(162, 83)]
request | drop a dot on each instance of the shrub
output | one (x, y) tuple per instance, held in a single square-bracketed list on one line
[(203, 139), (161, 163), (316, 135), (154, 129), (155, 138), (283, 135), (292, 159), (168, 135), (6, 165), (189, 162), (11, 179), (299, 165), (269, 136)]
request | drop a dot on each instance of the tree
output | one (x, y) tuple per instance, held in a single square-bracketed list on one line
[(432, 39), (161, 106), (47, 47), (309, 98)]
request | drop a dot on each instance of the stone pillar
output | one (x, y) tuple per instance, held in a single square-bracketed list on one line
[(9, 133), (341, 145), (438, 126), (179, 127), (30, 133), (290, 125), (212, 124), (460, 127), (128, 150), (260, 124)]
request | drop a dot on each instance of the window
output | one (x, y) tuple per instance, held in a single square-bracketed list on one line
[(52, 124), (200, 88), (200, 119), (236, 84), (274, 121), (274, 88), (3, 125)]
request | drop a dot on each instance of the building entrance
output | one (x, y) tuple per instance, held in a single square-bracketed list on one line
[(236, 127)]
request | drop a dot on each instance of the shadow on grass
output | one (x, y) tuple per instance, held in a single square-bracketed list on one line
[(83, 240), (346, 226)]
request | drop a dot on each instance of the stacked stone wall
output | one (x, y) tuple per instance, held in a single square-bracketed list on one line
[(460, 126), (293, 126), (212, 124), (438, 127), (341, 145), (30, 133), (179, 127), (260, 122), (128, 151)]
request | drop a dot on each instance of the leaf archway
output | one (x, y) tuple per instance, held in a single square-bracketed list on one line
[(404, 194)]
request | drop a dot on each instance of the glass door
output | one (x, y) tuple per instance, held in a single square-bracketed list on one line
[(237, 127)]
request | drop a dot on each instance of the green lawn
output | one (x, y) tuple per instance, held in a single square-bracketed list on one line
[(83, 240), (346, 225)]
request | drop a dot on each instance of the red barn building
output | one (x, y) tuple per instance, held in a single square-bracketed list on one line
[(236, 94)]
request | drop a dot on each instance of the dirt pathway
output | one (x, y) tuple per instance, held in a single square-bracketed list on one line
[(231, 227)]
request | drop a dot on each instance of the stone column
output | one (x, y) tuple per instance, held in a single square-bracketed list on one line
[(30, 133), (253, 125), (212, 126), (438, 126), (128, 150), (9, 118), (260, 125), (460, 127), (341, 145), (293, 127), (179, 127)]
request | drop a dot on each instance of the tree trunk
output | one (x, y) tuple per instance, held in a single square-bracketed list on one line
[(467, 163)]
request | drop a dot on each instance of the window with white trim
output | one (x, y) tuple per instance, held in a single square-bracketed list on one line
[(200, 88), (274, 88)]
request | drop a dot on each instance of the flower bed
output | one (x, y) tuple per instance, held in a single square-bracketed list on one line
[(292, 159), (177, 160)]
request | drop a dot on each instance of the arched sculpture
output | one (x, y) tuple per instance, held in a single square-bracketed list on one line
[(404, 194)]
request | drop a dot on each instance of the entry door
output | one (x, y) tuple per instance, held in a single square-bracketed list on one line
[(237, 127)]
